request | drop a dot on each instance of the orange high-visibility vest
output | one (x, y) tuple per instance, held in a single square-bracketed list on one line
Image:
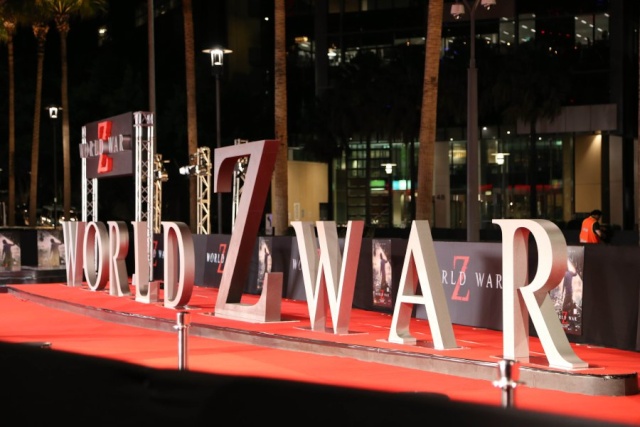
[(587, 235)]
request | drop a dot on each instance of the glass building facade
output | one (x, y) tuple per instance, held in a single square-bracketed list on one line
[(524, 171)]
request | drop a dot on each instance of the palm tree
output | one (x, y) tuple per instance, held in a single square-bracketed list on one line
[(427, 137), (192, 123), (279, 183), (9, 15), (39, 19), (62, 11)]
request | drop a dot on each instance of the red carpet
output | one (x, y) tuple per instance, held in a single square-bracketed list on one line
[(82, 332)]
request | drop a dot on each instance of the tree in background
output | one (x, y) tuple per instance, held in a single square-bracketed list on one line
[(9, 14), (39, 24), (192, 122), (62, 11), (426, 152), (637, 193), (279, 183)]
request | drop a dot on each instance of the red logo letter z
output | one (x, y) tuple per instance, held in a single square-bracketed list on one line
[(456, 292)]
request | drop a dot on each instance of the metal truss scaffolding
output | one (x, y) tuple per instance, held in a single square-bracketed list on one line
[(89, 189), (145, 191), (203, 175), (144, 139), (239, 174), (159, 176)]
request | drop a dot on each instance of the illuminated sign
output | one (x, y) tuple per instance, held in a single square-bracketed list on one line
[(108, 147)]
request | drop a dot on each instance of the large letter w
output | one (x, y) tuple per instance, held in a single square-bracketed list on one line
[(322, 282)]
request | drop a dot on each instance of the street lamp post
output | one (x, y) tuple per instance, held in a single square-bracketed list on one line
[(388, 168), (53, 115), (501, 160), (473, 208), (217, 67)]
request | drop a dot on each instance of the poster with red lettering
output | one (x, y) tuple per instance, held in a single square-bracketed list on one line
[(567, 296), (382, 273)]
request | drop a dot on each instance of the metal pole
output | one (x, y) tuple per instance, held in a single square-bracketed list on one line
[(182, 326), (507, 381), (504, 188), (218, 142), (55, 174), (473, 208), (152, 56)]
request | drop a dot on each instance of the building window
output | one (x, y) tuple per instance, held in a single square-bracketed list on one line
[(527, 28), (590, 28), (507, 33)]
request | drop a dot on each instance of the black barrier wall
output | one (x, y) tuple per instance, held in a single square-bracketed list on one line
[(610, 298), (611, 288)]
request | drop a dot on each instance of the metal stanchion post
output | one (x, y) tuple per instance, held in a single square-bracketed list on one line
[(182, 326), (508, 381)]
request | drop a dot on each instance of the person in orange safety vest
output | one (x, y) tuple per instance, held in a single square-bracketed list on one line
[(590, 231)]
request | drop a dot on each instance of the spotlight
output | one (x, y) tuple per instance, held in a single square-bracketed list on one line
[(188, 170)]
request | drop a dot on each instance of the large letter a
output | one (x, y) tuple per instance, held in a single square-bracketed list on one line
[(421, 266)]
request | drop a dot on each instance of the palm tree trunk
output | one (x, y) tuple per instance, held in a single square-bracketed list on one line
[(637, 168), (428, 117), (12, 136), (413, 179), (40, 32), (279, 193), (192, 124)]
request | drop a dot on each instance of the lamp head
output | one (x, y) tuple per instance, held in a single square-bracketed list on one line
[(388, 167), (217, 58), (500, 158), (488, 3), (53, 111), (457, 9)]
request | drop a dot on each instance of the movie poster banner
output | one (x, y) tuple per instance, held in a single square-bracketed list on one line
[(567, 296), (10, 254), (470, 273), (51, 252), (472, 279), (382, 274), (264, 260)]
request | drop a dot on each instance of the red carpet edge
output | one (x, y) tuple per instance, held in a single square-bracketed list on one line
[(366, 343)]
